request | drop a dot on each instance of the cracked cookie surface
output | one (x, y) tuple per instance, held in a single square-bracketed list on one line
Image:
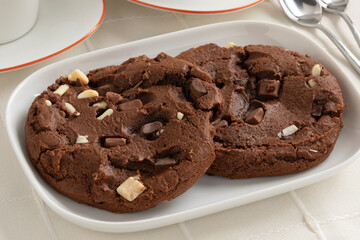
[(282, 109), (142, 136)]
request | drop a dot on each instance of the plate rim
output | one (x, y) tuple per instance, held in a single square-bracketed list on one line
[(62, 50), (142, 3), (161, 221)]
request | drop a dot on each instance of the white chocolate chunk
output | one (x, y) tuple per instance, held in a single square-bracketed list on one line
[(77, 74), (82, 139), (316, 70), (102, 105), (180, 115), (131, 188), (71, 109), (48, 103), (312, 83), (88, 94), (106, 113), (61, 90), (230, 45), (312, 150), (289, 130)]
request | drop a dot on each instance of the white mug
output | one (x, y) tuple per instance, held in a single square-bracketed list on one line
[(17, 17)]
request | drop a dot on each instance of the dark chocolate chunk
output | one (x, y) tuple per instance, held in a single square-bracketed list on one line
[(316, 110), (241, 82), (150, 128), (164, 162), (196, 72), (268, 89), (197, 89), (113, 142), (255, 116), (132, 105), (161, 57)]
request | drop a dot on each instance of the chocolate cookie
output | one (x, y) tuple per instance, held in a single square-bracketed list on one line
[(283, 110), (125, 138)]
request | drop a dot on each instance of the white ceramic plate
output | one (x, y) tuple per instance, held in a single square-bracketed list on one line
[(198, 6), (60, 26), (210, 194)]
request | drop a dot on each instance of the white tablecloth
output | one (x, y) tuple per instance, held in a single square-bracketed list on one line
[(326, 210)]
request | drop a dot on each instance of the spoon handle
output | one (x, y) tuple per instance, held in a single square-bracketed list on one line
[(343, 49), (351, 26)]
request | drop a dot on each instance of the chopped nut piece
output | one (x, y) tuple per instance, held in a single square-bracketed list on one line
[(159, 132), (61, 90), (77, 74), (221, 124), (48, 103), (316, 70), (312, 150), (288, 131), (131, 188), (71, 109), (180, 115), (230, 45), (88, 94), (82, 139), (102, 105), (106, 113), (312, 83)]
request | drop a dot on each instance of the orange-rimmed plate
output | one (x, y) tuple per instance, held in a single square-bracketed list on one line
[(60, 26), (198, 6)]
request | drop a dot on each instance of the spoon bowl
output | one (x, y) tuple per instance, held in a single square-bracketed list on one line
[(308, 13), (334, 6), (338, 7)]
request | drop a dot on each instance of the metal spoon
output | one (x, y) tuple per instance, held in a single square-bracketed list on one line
[(338, 7), (308, 13)]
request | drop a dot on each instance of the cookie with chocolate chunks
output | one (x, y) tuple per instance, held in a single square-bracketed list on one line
[(141, 137), (282, 113)]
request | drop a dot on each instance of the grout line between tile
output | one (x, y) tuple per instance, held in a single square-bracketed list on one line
[(310, 221), (185, 231), (15, 199), (252, 237), (45, 216)]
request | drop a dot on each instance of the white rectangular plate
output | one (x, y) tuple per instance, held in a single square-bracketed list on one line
[(209, 194)]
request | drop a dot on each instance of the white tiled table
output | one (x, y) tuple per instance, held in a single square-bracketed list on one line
[(332, 206)]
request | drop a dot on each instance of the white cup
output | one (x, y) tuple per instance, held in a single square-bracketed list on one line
[(17, 17)]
